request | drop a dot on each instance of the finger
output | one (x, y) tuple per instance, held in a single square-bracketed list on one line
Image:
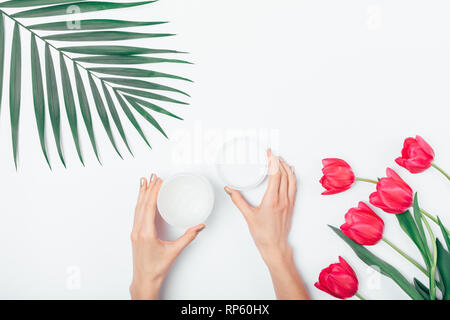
[(150, 205), (150, 185), (284, 183), (151, 181), (292, 185), (274, 176), (140, 202), (190, 234), (239, 201), (142, 188), (154, 192)]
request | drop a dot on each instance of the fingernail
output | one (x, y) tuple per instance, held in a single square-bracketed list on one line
[(227, 190), (293, 169), (142, 182), (151, 177), (201, 229)]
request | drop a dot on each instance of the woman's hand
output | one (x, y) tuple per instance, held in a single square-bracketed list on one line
[(270, 223), (152, 257)]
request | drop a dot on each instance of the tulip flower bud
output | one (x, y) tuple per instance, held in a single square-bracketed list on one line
[(417, 155), (337, 177), (362, 225), (338, 280), (393, 195)]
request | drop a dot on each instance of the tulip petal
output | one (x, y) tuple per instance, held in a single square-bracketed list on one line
[(425, 146)]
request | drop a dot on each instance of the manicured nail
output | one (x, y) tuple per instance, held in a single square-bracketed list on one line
[(227, 190), (151, 177), (201, 229), (142, 182)]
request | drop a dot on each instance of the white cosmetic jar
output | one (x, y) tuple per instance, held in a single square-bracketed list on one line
[(185, 200)]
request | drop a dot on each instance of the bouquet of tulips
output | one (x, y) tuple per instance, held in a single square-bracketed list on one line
[(363, 227)]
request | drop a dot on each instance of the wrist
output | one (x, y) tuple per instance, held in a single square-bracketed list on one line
[(145, 288), (277, 256)]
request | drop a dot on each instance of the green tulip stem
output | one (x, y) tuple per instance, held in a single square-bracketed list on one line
[(407, 257), (431, 217), (440, 170), (359, 296), (366, 180), (433, 266)]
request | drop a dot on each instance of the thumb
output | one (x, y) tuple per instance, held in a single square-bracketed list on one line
[(190, 234), (239, 201)]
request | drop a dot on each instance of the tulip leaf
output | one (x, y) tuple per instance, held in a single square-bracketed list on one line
[(443, 266), (93, 24), (418, 218), (409, 226), (382, 266), (422, 289), (133, 72), (15, 86), (444, 233), (38, 95)]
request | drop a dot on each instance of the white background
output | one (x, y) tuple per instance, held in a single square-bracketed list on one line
[(347, 79)]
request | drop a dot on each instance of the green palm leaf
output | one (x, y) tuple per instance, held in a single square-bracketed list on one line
[(85, 110), (114, 50), (131, 117), (115, 115), (126, 60), (102, 113), (2, 54), (69, 102), (94, 24), (30, 3), (142, 84), (121, 80), (150, 95), (147, 116), (136, 73), (53, 101), (86, 6), (104, 36), (152, 106), (15, 89), (38, 95)]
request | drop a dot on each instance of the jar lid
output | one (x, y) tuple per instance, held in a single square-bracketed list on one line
[(242, 163)]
